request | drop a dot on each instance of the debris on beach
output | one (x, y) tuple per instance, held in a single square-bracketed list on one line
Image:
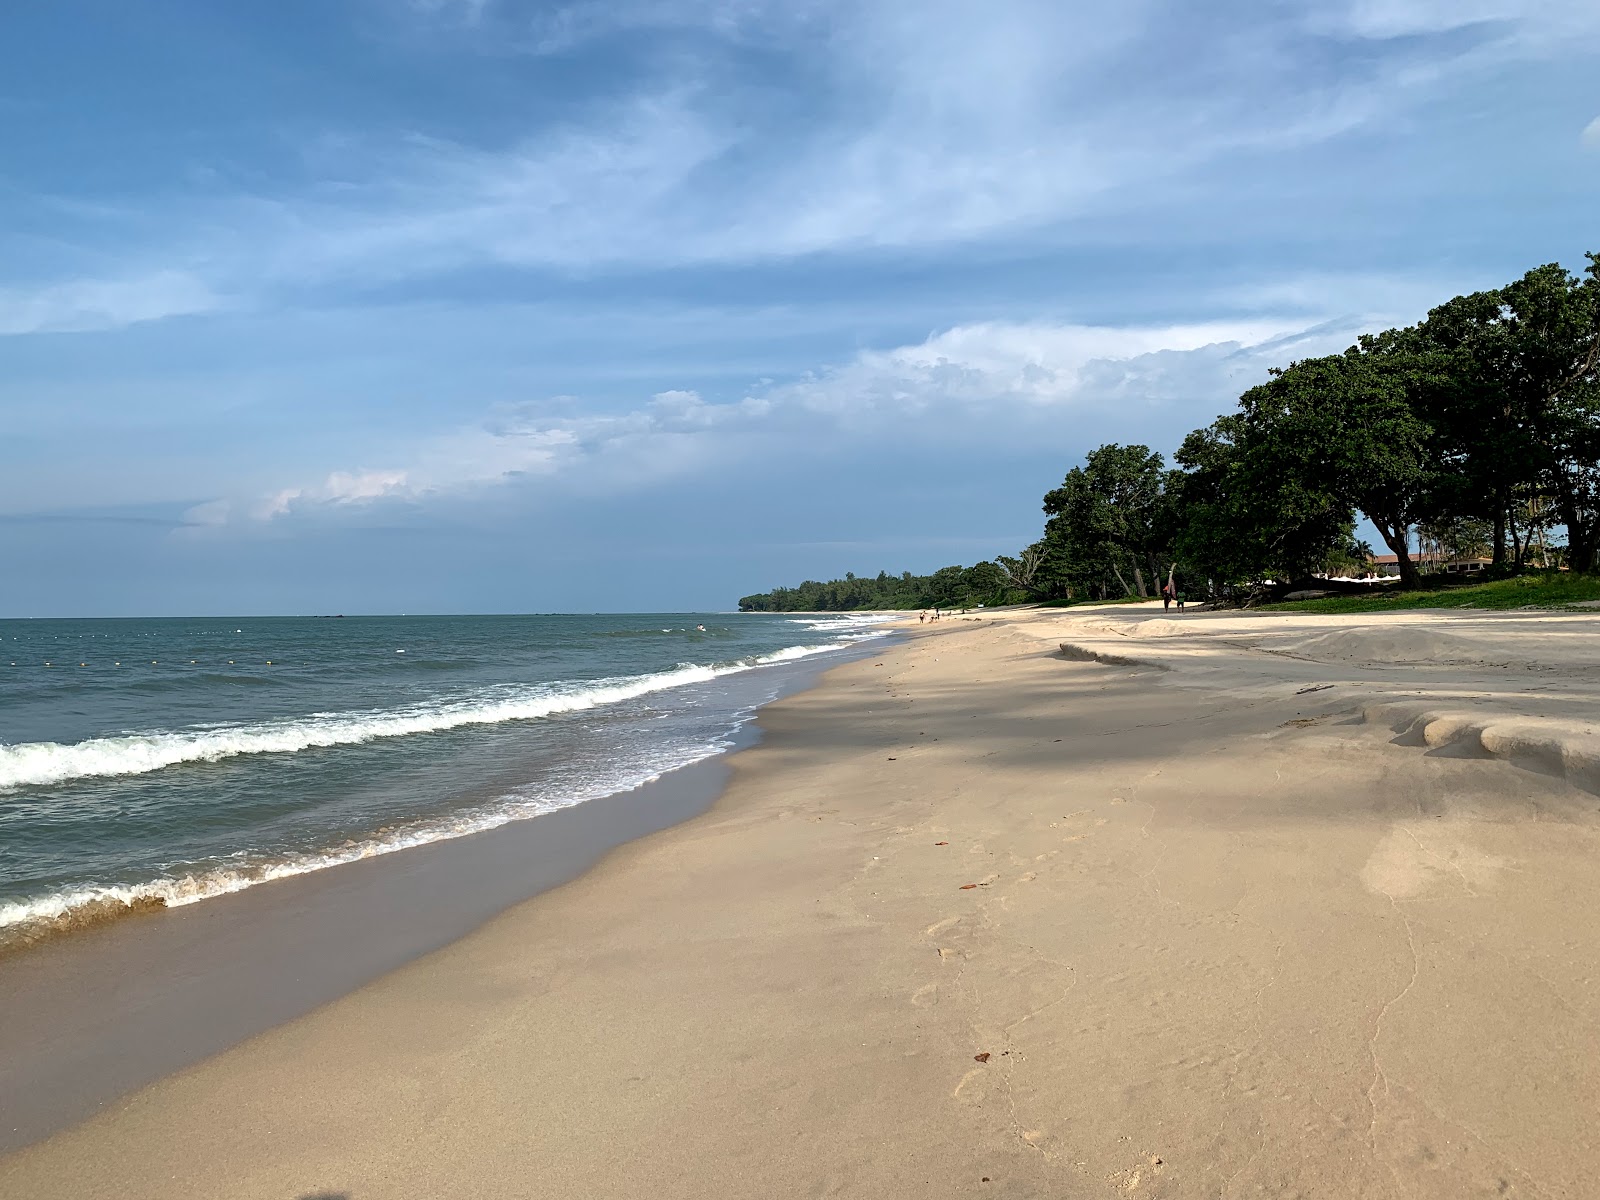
[(984, 1057)]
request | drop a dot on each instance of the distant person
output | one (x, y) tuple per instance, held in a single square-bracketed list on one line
[(1180, 601), (922, 616), (1166, 596), (701, 628)]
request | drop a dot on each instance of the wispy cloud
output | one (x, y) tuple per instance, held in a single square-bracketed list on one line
[(917, 126), (1522, 24), (104, 303)]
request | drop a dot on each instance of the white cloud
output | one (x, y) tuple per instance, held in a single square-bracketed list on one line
[(1525, 21), (104, 304), (991, 383), (1590, 137)]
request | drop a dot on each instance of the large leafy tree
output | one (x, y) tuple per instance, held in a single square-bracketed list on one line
[(1106, 520), (1548, 354), (1516, 404), (1482, 442), (1343, 433), (1243, 516)]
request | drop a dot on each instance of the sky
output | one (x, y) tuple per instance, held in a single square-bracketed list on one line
[(503, 306)]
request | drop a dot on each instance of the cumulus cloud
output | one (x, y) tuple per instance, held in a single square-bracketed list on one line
[(969, 385), (340, 487)]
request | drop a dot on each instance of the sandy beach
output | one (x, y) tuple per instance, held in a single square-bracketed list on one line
[(1092, 903)]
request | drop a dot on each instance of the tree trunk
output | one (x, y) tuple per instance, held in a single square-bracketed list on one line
[(1138, 578), (1580, 551), (1397, 536), (1499, 553), (1580, 537), (1126, 590)]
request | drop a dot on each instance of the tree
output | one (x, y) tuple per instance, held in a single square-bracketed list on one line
[(1518, 406), (1342, 433), (1549, 355), (1242, 517), (1023, 572), (1103, 520)]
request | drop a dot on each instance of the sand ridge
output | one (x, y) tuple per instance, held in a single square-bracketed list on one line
[(979, 920)]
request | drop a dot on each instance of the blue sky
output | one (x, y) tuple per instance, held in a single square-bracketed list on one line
[(484, 305)]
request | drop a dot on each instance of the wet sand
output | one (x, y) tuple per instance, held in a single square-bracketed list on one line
[(93, 1015), (96, 1013), (985, 920)]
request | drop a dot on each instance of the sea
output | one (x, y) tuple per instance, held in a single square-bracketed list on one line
[(161, 762)]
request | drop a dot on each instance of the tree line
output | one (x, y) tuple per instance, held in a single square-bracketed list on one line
[(949, 587), (1474, 431)]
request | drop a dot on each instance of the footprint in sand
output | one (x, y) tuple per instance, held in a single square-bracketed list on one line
[(975, 1073), (926, 995)]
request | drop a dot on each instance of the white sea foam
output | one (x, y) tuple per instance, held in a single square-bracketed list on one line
[(39, 763), (846, 621), (88, 903)]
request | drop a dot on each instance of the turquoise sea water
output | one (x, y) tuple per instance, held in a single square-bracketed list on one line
[(165, 761)]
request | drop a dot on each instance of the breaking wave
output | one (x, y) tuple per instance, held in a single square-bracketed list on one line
[(43, 763), (35, 919)]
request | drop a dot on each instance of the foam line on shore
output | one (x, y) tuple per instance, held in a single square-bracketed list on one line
[(30, 920)]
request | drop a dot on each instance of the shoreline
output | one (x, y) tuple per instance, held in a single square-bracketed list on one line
[(987, 920), (61, 906), (96, 1011)]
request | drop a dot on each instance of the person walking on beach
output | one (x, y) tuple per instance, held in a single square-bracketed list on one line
[(922, 616), (1166, 596)]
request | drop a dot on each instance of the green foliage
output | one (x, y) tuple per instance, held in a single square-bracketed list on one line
[(1106, 529), (1550, 589), (1478, 428), (1246, 515)]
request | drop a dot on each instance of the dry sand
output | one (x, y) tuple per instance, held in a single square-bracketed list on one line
[(1257, 906)]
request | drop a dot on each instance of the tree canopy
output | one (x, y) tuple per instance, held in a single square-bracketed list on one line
[(948, 587), (1475, 430)]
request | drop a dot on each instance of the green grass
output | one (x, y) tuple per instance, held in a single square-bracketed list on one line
[(1547, 590)]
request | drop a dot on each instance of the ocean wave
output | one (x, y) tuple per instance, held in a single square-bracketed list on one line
[(845, 621), (44, 763), (24, 922)]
